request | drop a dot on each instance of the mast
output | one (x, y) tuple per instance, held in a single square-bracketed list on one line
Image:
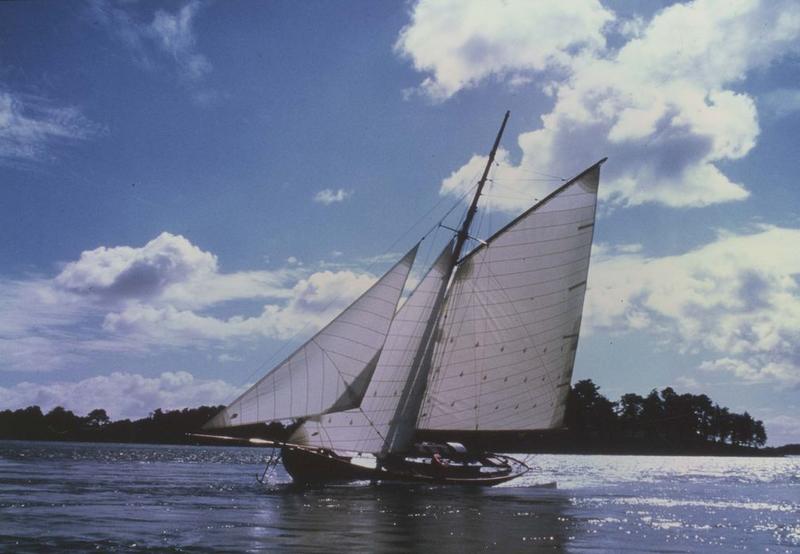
[(463, 234)]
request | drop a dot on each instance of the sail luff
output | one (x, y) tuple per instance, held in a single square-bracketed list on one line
[(320, 375)]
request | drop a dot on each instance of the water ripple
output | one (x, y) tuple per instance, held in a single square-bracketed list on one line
[(121, 498)]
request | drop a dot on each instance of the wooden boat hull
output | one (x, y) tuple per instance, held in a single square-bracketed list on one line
[(318, 466), (321, 466)]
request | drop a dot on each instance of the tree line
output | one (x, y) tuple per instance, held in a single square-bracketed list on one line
[(160, 427), (662, 422), (664, 419)]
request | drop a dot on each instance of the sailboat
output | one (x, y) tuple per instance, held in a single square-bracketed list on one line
[(485, 343)]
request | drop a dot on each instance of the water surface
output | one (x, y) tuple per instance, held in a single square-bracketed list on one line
[(82, 497)]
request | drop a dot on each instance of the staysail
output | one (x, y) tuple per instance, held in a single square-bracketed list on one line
[(331, 371), (509, 328), (385, 421)]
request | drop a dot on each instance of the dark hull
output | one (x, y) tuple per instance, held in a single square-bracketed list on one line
[(321, 466), (307, 466)]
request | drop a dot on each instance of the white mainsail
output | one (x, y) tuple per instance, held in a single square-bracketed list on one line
[(332, 370), (385, 421), (509, 328)]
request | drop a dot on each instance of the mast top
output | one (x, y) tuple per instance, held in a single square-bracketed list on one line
[(463, 234)]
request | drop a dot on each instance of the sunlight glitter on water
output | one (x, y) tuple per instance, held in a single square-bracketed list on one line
[(144, 498)]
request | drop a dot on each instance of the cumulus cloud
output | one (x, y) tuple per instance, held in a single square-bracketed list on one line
[(663, 110), (122, 394), (459, 43), (31, 126), (330, 196), (313, 301), (168, 269), (737, 297), (163, 294), (127, 272), (167, 38)]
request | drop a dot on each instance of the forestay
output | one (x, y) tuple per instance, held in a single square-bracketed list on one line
[(331, 371), (509, 328), (385, 420)]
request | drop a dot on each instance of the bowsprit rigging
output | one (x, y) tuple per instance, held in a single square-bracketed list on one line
[(485, 343)]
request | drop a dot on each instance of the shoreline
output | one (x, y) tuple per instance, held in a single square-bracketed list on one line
[(729, 452)]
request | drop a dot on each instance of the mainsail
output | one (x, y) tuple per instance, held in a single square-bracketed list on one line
[(332, 370), (509, 329), (385, 421)]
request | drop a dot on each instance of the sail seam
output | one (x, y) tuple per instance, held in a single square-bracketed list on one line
[(536, 347), (521, 326), (532, 256)]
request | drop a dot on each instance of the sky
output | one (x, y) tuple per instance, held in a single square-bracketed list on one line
[(188, 189)]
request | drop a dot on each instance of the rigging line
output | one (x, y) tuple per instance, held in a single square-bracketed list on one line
[(474, 294), (448, 212), (339, 371), (302, 331), (532, 172), (436, 378), (286, 344), (529, 179), (431, 210), (437, 382), (552, 396), (545, 366), (524, 198), (457, 290)]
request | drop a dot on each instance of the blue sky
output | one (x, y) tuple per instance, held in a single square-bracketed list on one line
[(185, 187)]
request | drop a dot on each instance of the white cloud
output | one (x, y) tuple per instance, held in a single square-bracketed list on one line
[(164, 294), (662, 109), (30, 126), (756, 369), (782, 429), (169, 38), (175, 34), (122, 394), (168, 269), (689, 383), (459, 43), (330, 196), (735, 300), (314, 301), (126, 272)]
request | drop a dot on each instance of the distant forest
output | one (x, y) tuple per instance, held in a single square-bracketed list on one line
[(662, 422)]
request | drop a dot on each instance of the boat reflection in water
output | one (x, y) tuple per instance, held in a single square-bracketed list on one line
[(417, 518)]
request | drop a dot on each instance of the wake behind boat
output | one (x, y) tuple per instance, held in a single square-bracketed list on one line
[(485, 343)]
